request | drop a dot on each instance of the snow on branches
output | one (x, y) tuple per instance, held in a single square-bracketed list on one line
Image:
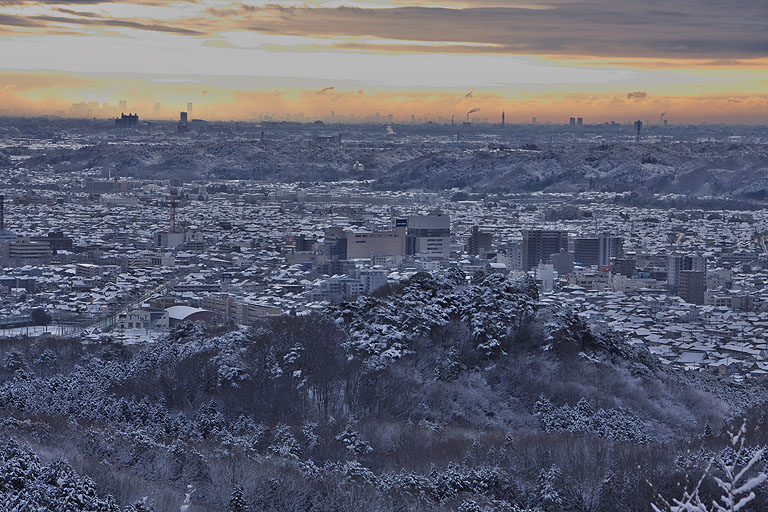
[(735, 483), (382, 328)]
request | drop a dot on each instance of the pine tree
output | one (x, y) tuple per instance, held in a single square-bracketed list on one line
[(548, 497), (237, 501), (353, 442), (283, 443)]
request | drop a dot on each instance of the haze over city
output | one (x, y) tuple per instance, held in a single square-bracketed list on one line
[(600, 59)]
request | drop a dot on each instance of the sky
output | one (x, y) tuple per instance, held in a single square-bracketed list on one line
[(692, 61)]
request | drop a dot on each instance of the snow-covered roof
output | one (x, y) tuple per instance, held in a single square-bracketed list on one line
[(182, 312)]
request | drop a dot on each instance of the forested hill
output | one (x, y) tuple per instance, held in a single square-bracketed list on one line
[(712, 168), (444, 393)]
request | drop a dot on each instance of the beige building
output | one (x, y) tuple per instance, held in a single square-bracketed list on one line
[(240, 311), (23, 251), (364, 244)]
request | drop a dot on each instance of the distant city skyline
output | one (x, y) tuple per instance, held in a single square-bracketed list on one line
[(597, 59)]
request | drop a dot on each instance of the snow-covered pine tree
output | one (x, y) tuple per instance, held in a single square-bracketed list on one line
[(353, 442), (547, 497), (237, 501), (284, 443)]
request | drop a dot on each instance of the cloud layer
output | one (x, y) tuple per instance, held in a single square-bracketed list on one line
[(702, 29), (603, 59)]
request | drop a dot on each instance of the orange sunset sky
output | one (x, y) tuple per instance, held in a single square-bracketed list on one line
[(696, 60)]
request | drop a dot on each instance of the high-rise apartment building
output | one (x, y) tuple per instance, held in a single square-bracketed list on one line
[(538, 245)]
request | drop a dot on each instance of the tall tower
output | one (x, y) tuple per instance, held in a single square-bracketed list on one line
[(173, 203), (638, 127), (502, 119)]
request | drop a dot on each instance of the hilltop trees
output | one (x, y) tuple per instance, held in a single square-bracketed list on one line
[(447, 392)]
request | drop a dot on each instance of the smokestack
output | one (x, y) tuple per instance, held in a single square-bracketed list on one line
[(472, 112)]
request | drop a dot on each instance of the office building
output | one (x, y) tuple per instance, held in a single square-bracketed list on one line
[(182, 240), (429, 236), (692, 286), (677, 263), (563, 262), (624, 266), (368, 244), (539, 245), (586, 251), (56, 241), (479, 242), (5, 235), (610, 247), (335, 244), (24, 251), (143, 319), (371, 278)]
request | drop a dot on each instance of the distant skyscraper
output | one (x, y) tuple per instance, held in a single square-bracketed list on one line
[(533, 120), (390, 118), (189, 108), (123, 105), (572, 121), (580, 121), (182, 125), (127, 121), (156, 110), (502, 119)]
